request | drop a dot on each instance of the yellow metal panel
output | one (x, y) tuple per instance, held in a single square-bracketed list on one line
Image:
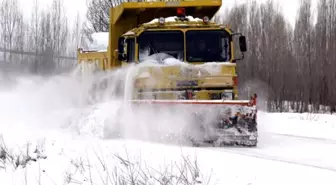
[(99, 57), (232, 52), (169, 3), (128, 15), (206, 94), (202, 95), (228, 69), (116, 28), (146, 11), (216, 82)]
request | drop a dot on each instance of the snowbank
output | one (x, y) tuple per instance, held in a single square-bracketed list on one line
[(174, 18), (64, 133), (322, 126), (84, 160), (99, 43), (159, 60)]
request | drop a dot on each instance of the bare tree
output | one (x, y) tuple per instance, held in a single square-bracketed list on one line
[(295, 65), (9, 24), (303, 53), (34, 36), (98, 16)]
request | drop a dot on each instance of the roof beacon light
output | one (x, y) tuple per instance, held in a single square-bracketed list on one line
[(205, 19), (161, 20), (181, 12)]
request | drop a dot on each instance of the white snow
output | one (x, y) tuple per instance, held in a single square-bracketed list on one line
[(174, 19), (159, 59), (162, 59), (99, 43), (56, 117), (322, 126)]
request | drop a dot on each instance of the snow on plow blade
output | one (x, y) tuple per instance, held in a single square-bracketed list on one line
[(207, 122)]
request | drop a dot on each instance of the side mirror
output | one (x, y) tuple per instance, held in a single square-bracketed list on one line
[(121, 51), (242, 44)]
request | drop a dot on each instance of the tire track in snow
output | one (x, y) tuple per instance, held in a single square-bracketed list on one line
[(331, 141), (294, 141), (273, 158)]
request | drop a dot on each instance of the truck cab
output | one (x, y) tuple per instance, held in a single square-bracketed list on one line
[(196, 56), (177, 40), (184, 38)]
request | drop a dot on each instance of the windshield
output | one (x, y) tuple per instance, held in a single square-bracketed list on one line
[(207, 46), (169, 42)]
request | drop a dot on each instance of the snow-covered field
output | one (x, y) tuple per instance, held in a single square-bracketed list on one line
[(50, 135)]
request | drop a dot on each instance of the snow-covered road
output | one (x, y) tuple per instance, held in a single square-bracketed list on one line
[(293, 148), (280, 158), (316, 153)]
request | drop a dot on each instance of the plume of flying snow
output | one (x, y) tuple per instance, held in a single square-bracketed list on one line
[(89, 101)]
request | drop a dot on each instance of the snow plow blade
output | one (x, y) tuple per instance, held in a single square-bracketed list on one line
[(209, 122)]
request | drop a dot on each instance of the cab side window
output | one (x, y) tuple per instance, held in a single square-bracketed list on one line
[(130, 50)]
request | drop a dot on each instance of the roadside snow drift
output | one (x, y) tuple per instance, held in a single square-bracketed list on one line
[(52, 132)]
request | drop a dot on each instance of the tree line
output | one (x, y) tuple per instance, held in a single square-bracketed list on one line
[(43, 44), (293, 68), (289, 67)]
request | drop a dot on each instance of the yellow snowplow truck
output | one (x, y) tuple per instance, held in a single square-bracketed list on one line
[(187, 65)]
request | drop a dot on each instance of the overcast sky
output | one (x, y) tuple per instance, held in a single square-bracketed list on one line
[(73, 6)]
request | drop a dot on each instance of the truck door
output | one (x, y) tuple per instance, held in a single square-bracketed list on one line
[(126, 50), (130, 50)]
